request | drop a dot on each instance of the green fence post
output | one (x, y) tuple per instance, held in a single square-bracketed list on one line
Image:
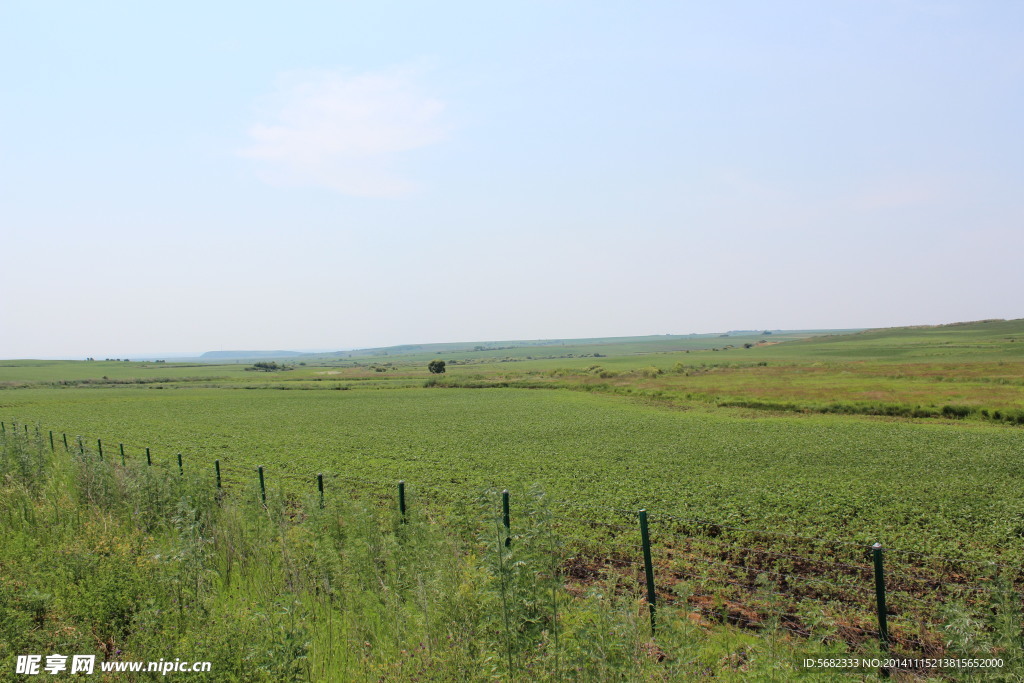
[(181, 469), (26, 430), (81, 446), (505, 518), (3, 428), (99, 447), (320, 486), (65, 442), (216, 464), (121, 446), (883, 627), (401, 499), (645, 539), (263, 489), (149, 459), (52, 449)]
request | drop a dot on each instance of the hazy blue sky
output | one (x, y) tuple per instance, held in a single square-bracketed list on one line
[(197, 176)]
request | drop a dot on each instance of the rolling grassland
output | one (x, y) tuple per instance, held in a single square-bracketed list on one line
[(767, 473)]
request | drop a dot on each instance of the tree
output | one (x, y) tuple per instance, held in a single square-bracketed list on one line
[(436, 366)]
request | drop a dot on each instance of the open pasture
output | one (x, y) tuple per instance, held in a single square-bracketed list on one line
[(975, 366), (990, 386), (17, 372)]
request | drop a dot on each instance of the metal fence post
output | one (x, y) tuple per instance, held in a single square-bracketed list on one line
[(645, 539), (401, 499), (506, 518), (883, 627)]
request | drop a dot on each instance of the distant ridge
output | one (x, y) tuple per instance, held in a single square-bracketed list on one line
[(447, 347), (223, 355)]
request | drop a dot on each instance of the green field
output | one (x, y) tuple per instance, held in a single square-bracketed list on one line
[(777, 462), (909, 485), (132, 563), (746, 434)]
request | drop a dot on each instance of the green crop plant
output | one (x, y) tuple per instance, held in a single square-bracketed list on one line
[(293, 591)]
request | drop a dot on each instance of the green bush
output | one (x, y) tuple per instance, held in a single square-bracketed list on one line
[(956, 412)]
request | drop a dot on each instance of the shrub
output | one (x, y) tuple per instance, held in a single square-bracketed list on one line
[(957, 412), (266, 366)]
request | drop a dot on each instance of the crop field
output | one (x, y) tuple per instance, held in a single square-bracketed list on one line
[(910, 485), (764, 496)]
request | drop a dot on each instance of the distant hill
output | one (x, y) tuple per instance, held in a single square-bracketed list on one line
[(655, 342), (976, 340), (528, 348), (536, 349), (234, 355)]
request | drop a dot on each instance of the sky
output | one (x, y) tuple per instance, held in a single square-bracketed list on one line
[(186, 177)]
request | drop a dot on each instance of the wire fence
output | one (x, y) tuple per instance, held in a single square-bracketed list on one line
[(752, 578)]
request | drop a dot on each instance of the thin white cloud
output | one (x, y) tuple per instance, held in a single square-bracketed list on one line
[(345, 131)]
